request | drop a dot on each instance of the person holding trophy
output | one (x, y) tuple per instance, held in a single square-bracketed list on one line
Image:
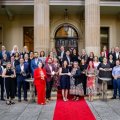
[(22, 72), (40, 83), (9, 75)]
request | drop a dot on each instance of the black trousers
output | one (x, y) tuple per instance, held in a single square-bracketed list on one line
[(10, 87), (15, 80), (49, 85), (2, 87), (84, 81)]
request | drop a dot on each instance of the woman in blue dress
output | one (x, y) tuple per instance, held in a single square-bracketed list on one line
[(65, 80)]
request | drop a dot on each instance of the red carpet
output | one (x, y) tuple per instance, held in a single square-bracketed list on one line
[(72, 110)]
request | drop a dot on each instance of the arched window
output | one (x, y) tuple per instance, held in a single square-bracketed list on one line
[(66, 36)]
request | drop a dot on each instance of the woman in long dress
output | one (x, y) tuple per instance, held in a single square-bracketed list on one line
[(40, 83), (83, 67), (56, 75), (90, 72), (76, 87)]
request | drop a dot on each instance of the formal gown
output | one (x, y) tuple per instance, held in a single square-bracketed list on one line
[(40, 84), (56, 77)]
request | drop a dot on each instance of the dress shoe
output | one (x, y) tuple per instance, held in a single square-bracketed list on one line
[(19, 100), (12, 102), (8, 102), (2, 99), (113, 98), (47, 100), (26, 99)]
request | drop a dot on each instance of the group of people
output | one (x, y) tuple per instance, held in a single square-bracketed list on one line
[(77, 75)]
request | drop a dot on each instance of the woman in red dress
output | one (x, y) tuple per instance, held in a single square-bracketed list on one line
[(40, 83)]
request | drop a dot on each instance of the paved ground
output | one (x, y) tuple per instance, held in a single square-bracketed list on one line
[(26, 111), (109, 110), (103, 110)]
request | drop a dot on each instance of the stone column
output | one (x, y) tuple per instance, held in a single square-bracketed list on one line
[(41, 25), (92, 26)]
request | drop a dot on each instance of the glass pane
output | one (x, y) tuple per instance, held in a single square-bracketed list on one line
[(104, 36), (69, 32), (29, 37)]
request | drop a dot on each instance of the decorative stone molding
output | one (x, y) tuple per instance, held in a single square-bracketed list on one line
[(58, 2)]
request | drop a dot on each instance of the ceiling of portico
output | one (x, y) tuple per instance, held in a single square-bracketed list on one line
[(59, 10), (110, 10), (16, 9), (56, 9)]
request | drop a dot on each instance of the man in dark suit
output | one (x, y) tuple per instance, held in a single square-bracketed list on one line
[(67, 58), (34, 62), (22, 71), (61, 54), (49, 67), (116, 55), (3, 51)]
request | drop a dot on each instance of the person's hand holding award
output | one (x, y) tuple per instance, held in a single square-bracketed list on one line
[(42, 75)]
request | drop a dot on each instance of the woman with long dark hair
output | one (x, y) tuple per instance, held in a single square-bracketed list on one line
[(90, 58), (74, 56)]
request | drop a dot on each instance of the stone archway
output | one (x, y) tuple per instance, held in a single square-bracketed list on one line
[(66, 35)]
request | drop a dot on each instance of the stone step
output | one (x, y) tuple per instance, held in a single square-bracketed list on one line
[(54, 95)]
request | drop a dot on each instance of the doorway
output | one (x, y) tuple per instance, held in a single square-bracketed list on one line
[(66, 36), (28, 37), (104, 37)]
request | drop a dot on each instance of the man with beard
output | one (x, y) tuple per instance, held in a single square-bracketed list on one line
[(34, 62), (49, 80)]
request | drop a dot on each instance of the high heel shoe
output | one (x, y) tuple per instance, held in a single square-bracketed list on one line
[(8, 102), (74, 98), (64, 99), (77, 99), (12, 102)]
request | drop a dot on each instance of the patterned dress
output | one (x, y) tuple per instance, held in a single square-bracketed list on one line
[(56, 77), (76, 86), (91, 81)]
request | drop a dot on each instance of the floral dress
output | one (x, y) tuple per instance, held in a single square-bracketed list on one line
[(91, 81), (76, 86), (56, 77)]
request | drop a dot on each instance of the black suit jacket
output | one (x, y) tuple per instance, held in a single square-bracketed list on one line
[(7, 53), (66, 59), (59, 54), (114, 56)]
